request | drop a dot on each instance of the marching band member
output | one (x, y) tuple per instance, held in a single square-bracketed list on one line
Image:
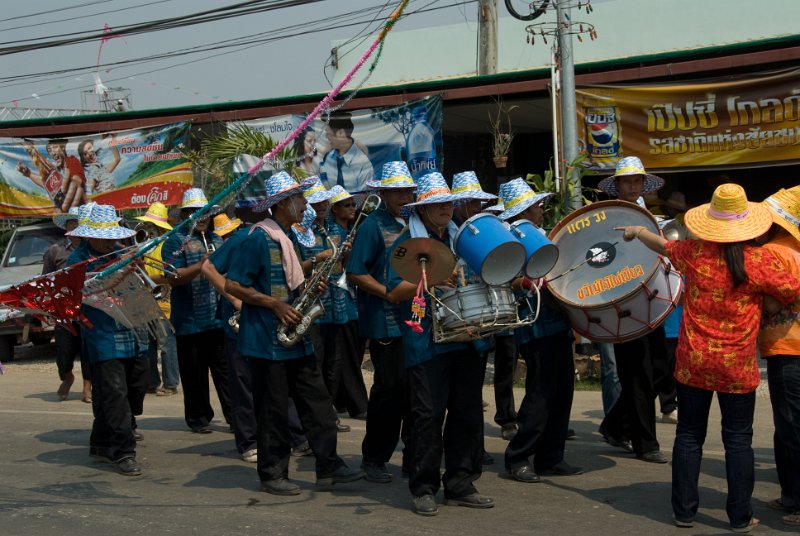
[(115, 353), (198, 330), (266, 275), (633, 416), (379, 321), (546, 346), (444, 379)]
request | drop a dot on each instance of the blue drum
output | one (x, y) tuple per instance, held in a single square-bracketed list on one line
[(489, 248), (541, 253)]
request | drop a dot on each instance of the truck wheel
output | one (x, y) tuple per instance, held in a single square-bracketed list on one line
[(7, 344)]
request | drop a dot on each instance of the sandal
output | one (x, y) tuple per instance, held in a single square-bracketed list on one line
[(754, 522), (777, 504), (792, 519), (87, 399)]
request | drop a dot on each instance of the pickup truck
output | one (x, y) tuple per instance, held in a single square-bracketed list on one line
[(22, 260)]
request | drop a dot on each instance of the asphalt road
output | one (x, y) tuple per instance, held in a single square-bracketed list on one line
[(195, 484)]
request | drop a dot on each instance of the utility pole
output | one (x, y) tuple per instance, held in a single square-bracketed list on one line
[(487, 37), (569, 129)]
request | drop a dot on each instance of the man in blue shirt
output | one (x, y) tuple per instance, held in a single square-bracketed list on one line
[(198, 330), (378, 321), (115, 354), (345, 164), (266, 275), (445, 379)]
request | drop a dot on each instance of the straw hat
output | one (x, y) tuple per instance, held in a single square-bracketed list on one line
[(432, 188), (517, 196), (631, 165), (314, 191), (304, 230), (194, 198), (158, 215), (466, 186), (224, 225), (338, 193), (61, 219), (99, 221), (396, 175), (495, 209), (729, 217), (784, 205), (278, 187)]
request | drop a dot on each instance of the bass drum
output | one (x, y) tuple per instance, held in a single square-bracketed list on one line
[(612, 290)]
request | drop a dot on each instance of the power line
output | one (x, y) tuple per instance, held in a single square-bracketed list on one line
[(61, 20), (59, 10)]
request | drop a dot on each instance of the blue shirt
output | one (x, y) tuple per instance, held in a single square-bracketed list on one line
[(377, 318), (107, 339), (221, 259), (257, 263), (551, 320), (305, 253), (356, 169), (672, 324), (419, 348), (194, 305), (343, 303)]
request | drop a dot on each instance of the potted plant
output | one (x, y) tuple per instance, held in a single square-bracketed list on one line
[(561, 204), (502, 133)]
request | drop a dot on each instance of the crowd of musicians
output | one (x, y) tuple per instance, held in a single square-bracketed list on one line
[(233, 283)]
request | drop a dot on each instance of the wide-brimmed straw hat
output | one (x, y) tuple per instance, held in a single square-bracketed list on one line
[(278, 187), (517, 196), (396, 175), (729, 217), (223, 225), (158, 215), (432, 188), (314, 191), (631, 165), (466, 186), (495, 209), (784, 205), (338, 193), (304, 230), (61, 219), (99, 221), (194, 198)]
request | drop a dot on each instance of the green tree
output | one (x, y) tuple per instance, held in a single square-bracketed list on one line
[(561, 204)]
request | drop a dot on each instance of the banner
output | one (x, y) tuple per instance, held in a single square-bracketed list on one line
[(127, 169), (352, 147), (745, 121)]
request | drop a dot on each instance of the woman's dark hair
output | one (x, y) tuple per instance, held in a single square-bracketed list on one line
[(299, 143), (734, 259), (81, 146)]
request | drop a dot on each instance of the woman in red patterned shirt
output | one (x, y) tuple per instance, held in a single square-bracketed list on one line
[(727, 276)]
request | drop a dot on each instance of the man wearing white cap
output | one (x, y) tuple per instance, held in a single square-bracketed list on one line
[(198, 331)]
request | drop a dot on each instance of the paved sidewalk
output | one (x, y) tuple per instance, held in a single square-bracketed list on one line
[(195, 484)]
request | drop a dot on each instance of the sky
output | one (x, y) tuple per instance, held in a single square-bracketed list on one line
[(286, 65)]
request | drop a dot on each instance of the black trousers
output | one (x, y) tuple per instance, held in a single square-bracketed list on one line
[(68, 346), (198, 354), (388, 409), (634, 414), (664, 378), (505, 363), (451, 385), (543, 416), (118, 387), (240, 388), (352, 392), (274, 383)]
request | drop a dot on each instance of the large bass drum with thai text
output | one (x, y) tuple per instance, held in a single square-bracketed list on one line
[(612, 290)]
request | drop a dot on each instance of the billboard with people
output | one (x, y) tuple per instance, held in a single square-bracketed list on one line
[(127, 169)]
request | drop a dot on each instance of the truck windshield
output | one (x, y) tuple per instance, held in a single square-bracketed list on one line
[(28, 248)]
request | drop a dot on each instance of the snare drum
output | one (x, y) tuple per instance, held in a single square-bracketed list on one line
[(490, 249), (478, 306), (612, 290), (541, 253)]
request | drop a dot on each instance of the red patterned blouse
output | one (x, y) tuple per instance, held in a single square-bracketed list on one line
[(717, 339)]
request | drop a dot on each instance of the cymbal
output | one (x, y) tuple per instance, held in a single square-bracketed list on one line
[(408, 256)]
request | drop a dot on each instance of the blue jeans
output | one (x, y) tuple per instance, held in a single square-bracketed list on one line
[(783, 372), (737, 437), (609, 380), (169, 363)]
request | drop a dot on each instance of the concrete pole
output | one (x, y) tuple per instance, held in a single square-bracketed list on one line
[(487, 37), (569, 129)]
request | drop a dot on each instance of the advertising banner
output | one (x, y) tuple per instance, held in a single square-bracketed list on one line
[(351, 147), (127, 169), (753, 120)]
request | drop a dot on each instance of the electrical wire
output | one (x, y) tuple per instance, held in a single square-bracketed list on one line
[(59, 10), (77, 17)]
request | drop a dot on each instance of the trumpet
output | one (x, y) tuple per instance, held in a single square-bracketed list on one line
[(145, 231), (370, 204), (210, 248), (159, 291)]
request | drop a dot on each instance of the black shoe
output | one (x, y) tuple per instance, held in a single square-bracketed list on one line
[(654, 456), (473, 500), (425, 505), (562, 468), (138, 436), (102, 454), (524, 474), (614, 441), (342, 427), (340, 476), (361, 416), (280, 486), (377, 473), (486, 459), (128, 466), (201, 429), (303, 449), (508, 431), (570, 433)]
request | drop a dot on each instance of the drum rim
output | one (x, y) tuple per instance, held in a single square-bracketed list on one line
[(468, 220), (600, 204)]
